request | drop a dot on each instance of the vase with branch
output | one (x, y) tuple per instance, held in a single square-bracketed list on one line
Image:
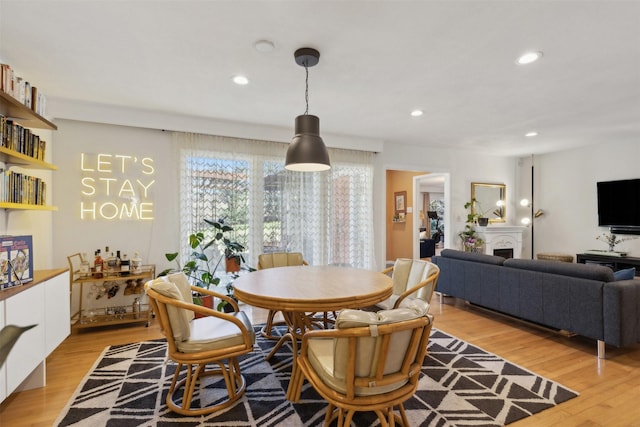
[(612, 240)]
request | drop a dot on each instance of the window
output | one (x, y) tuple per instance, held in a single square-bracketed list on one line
[(327, 216)]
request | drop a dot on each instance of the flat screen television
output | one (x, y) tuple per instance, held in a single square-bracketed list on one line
[(619, 205)]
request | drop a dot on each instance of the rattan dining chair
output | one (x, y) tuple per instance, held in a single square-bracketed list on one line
[(411, 278), (271, 260), (206, 346), (368, 362)]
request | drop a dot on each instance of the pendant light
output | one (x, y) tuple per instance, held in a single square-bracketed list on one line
[(307, 152)]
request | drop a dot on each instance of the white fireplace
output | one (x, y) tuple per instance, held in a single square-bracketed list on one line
[(502, 240)]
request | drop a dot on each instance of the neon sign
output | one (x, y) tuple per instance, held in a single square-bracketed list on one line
[(116, 187)]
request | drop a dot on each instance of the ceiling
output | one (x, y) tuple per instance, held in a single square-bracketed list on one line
[(380, 60)]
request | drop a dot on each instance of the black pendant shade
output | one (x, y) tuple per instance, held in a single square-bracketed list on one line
[(307, 152)]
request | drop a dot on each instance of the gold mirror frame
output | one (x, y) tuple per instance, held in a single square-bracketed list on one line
[(487, 197)]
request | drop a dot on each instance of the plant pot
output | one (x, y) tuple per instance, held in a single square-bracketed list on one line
[(483, 222), (232, 265), (224, 306), (205, 301)]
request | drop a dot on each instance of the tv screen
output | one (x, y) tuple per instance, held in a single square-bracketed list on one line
[(619, 203)]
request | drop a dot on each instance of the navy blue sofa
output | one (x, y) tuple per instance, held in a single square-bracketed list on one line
[(580, 298)]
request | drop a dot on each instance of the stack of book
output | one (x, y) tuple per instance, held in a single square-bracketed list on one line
[(21, 90), (16, 187), (18, 138)]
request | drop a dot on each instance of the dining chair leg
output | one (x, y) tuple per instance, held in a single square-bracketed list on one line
[(403, 415)]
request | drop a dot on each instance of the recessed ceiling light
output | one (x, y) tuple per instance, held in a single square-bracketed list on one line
[(264, 45), (240, 80), (529, 57), (531, 134), (417, 113)]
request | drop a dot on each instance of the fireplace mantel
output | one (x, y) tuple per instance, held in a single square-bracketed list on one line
[(502, 237)]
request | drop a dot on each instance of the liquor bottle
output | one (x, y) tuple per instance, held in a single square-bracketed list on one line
[(136, 263), (125, 266), (111, 264), (118, 260), (98, 265), (85, 266), (136, 308)]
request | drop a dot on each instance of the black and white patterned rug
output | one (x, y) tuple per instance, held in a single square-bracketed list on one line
[(461, 385)]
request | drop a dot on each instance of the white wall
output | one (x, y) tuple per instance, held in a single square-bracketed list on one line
[(154, 238), (464, 167), (565, 188), (71, 234)]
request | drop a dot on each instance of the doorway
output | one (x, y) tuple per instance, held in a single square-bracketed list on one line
[(432, 215), (403, 228)]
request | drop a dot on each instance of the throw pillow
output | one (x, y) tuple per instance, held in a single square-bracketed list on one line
[(626, 274)]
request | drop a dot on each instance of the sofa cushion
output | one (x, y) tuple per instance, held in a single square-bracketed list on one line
[(472, 256), (582, 271), (626, 274)]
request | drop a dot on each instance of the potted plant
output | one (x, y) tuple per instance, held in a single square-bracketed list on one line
[(203, 261), (471, 242), (476, 215)]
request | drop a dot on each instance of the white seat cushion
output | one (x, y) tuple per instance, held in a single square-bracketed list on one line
[(212, 333)]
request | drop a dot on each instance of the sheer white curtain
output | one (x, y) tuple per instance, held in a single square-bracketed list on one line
[(328, 216)]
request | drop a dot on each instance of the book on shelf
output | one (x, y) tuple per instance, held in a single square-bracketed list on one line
[(20, 89), (17, 187), (18, 138)]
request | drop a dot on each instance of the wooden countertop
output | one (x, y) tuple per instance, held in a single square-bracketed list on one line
[(39, 276)]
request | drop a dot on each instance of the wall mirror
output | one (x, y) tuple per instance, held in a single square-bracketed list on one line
[(490, 201)]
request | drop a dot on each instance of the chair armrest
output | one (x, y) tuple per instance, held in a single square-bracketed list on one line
[(223, 297), (387, 270), (202, 309), (432, 278)]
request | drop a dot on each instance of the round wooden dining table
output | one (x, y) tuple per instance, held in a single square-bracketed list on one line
[(299, 290), (312, 288)]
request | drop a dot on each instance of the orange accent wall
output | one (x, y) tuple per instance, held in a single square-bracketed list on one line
[(400, 235)]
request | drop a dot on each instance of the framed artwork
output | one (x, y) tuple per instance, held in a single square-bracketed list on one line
[(401, 202)]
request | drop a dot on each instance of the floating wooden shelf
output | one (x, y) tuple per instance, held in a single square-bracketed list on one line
[(13, 157), (21, 113)]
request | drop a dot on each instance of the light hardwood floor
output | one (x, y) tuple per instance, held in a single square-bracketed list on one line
[(609, 389)]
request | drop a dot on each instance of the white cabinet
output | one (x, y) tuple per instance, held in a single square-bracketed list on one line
[(45, 304), (24, 309), (3, 370), (57, 310)]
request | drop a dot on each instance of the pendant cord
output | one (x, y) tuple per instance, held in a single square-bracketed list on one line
[(306, 89)]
